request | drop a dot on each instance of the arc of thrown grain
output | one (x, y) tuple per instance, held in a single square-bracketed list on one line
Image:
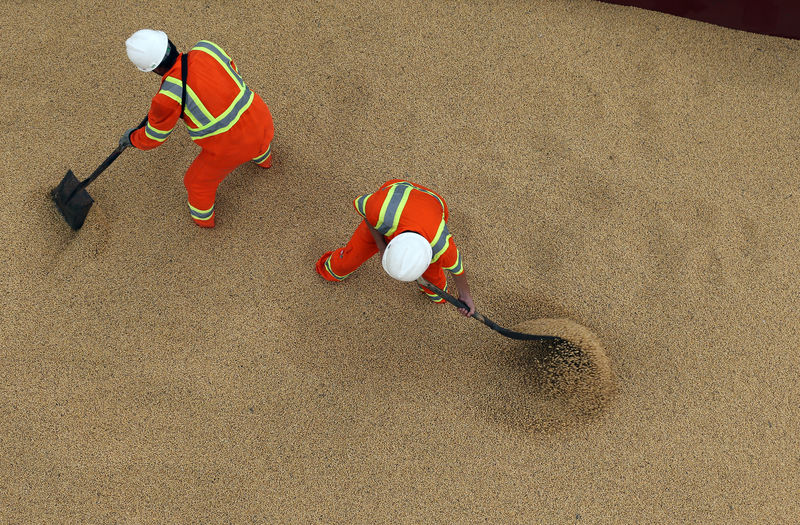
[(488, 322)]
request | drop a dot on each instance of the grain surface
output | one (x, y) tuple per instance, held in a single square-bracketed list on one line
[(629, 171)]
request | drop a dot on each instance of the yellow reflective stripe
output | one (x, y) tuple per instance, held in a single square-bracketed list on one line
[(195, 100), (171, 95), (209, 42), (458, 267), (361, 204), (227, 111), (431, 295), (218, 48), (264, 156), (158, 138), (178, 100), (436, 240), (227, 67), (328, 267), (446, 246), (392, 208), (384, 207), (399, 211), (201, 215), (190, 92)]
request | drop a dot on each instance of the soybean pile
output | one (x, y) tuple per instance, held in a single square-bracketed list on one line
[(627, 171)]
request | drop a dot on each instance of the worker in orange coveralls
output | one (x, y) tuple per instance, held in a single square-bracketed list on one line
[(224, 117), (407, 224)]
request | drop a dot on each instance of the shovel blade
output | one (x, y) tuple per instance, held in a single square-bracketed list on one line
[(73, 209)]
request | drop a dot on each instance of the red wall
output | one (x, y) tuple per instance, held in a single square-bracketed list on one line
[(769, 17)]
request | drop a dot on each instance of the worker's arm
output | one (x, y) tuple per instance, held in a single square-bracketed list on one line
[(451, 261), (380, 242), (125, 140), (463, 294), (161, 119)]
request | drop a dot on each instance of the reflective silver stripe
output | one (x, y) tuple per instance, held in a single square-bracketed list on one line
[(231, 116), (394, 208), (328, 267), (440, 242), (457, 267), (155, 134), (210, 47), (431, 194), (263, 157), (192, 107), (423, 190), (361, 204), (201, 216), (208, 124), (390, 216)]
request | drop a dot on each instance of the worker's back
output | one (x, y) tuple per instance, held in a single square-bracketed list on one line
[(213, 78), (221, 110)]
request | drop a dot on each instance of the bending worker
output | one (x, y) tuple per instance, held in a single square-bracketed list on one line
[(224, 117), (407, 224)]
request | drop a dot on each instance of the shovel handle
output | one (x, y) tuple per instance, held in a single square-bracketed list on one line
[(458, 303), (102, 167), (485, 320)]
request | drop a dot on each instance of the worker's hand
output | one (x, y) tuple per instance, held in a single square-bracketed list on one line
[(125, 139), (466, 298)]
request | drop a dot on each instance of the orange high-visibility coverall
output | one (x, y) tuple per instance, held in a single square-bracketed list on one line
[(230, 122), (398, 206)]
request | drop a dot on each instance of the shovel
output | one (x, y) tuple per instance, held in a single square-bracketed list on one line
[(71, 197), (488, 322)]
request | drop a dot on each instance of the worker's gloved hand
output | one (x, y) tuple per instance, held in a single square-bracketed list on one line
[(125, 139)]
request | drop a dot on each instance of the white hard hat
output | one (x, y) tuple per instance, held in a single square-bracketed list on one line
[(147, 48), (407, 256)]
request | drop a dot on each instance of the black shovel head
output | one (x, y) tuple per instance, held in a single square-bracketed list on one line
[(73, 209)]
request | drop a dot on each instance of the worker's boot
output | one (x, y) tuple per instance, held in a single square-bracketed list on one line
[(265, 160), (208, 223), (323, 270)]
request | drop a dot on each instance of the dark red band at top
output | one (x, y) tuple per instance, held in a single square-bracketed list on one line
[(768, 17)]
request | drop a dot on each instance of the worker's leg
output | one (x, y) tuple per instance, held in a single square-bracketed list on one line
[(338, 264), (265, 159), (263, 131), (201, 181), (434, 275)]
